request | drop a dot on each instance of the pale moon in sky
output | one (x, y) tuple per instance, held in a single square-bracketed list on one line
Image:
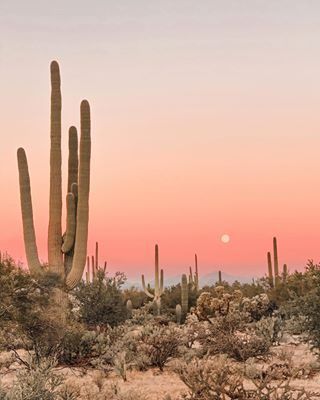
[(225, 238)]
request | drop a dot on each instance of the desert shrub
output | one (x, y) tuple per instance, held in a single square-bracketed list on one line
[(39, 382), (303, 306), (137, 297), (101, 302), (218, 378), (28, 313), (160, 343), (232, 335), (271, 328)]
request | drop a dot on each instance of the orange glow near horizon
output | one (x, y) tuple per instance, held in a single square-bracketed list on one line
[(205, 121)]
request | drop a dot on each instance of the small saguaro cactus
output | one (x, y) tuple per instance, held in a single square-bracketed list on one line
[(158, 283), (66, 253), (178, 314), (92, 270), (194, 278), (129, 308), (285, 273), (275, 279), (270, 273), (219, 277), (184, 295)]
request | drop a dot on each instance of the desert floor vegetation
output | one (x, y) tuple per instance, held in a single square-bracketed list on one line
[(229, 345)]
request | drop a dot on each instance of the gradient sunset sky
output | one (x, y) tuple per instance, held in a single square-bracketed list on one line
[(205, 121)]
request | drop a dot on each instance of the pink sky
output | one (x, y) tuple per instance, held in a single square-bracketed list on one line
[(205, 120)]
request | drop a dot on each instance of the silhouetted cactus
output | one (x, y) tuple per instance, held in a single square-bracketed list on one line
[(219, 277), (270, 273), (275, 261), (194, 279), (66, 253), (158, 283)]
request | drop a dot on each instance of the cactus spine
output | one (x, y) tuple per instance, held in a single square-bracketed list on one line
[(66, 253), (158, 283)]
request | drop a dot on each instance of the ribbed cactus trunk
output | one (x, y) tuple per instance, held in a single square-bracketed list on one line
[(66, 253), (158, 284), (55, 204), (184, 296), (270, 274)]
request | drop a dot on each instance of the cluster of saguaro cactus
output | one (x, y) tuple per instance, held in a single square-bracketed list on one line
[(93, 268), (158, 283), (273, 273), (194, 278), (66, 252)]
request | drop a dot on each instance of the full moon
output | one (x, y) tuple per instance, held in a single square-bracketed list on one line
[(225, 238)]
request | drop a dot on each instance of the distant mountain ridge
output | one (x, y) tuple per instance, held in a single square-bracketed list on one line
[(204, 280)]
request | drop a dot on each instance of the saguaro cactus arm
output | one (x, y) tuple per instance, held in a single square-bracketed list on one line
[(73, 158), (145, 288), (27, 214), (161, 282), (55, 202), (69, 236), (80, 248)]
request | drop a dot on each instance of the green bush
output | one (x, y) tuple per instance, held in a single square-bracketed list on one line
[(101, 301)]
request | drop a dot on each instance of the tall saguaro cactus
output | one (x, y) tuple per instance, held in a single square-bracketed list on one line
[(66, 253), (158, 283), (275, 261)]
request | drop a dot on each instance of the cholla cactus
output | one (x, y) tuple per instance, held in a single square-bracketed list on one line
[(222, 304), (66, 253), (257, 306), (158, 284)]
